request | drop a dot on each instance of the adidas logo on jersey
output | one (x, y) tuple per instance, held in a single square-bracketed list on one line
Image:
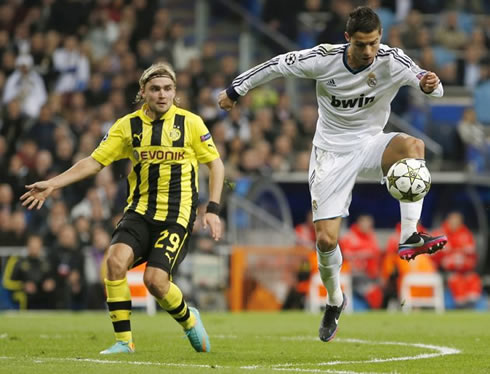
[(351, 103), (331, 83)]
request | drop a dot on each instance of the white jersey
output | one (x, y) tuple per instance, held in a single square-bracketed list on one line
[(352, 103)]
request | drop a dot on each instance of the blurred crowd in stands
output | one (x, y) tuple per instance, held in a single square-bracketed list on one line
[(377, 272), (70, 68)]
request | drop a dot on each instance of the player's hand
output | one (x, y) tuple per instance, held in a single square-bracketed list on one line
[(214, 223), (224, 101), (429, 82), (37, 194)]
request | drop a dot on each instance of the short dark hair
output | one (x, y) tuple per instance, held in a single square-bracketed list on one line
[(362, 19)]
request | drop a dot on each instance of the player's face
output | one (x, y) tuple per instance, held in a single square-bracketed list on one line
[(159, 94), (363, 47)]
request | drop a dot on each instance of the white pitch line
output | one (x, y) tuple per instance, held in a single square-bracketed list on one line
[(169, 364), (440, 351), (293, 367)]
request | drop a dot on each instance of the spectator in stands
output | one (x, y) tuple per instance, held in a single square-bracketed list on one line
[(42, 132), (335, 28), (458, 261), (26, 86), (68, 260), (57, 218), (13, 123), (6, 198), (17, 231), (237, 124), (4, 223), (476, 141), (468, 67), (302, 161), (37, 275), (361, 250), (449, 34), (94, 267), (15, 175), (409, 28), (311, 20), (42, 167), (282, 18), (481, 95), (73, 67), (103, 32)]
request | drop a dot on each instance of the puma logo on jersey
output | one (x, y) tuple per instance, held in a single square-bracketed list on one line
[(138, 136), (358, 102)]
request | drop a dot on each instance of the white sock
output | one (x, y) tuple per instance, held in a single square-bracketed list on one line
[(410, 215), (329, 264)]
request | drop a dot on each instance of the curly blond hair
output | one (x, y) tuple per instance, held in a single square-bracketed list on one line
[(160, 69)]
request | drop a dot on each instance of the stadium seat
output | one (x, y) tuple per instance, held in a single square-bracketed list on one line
[(317, 295), (422, 290), (140, 297)]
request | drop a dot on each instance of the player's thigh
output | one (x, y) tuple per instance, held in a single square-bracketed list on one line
[(327, 233), (331, 178), (168, 247), (374, 151), (400, 147), (133, 231)]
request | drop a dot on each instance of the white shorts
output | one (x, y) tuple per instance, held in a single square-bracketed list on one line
[(332, 175)]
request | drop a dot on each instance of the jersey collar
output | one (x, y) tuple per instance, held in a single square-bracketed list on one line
[(353, 71), (167, 115)]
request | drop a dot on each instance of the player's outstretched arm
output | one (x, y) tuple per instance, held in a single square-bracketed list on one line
[(38, 192), (216, 180)]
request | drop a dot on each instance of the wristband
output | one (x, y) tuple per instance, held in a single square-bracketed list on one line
[(212, 208), (232, 94)]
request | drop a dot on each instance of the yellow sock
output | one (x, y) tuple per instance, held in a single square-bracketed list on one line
[(173, 302), (119, 303)]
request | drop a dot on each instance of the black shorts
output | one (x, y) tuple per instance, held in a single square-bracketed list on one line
[(161, 245)]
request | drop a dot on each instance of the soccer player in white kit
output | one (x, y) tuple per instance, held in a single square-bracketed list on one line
[(355, 84)]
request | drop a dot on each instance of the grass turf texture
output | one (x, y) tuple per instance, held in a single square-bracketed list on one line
[(246, 343)]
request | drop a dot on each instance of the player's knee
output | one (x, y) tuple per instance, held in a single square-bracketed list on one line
[(326, 242), (414, 147), (156, 284), (116, 267)]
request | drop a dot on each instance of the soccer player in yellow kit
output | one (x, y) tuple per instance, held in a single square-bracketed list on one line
[(165, 145)]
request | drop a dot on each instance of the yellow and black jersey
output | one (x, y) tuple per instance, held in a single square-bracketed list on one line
[(166, 152)]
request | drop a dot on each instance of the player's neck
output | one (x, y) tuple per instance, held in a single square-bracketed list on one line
[(353, 63), (152, 114)]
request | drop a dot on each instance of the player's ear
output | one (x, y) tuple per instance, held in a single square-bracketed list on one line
[(347, 36)]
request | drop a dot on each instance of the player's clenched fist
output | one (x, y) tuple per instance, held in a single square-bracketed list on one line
[(429, 82), (224, 101)]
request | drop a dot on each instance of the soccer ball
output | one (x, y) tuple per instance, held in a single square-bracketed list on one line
[(408, 180)]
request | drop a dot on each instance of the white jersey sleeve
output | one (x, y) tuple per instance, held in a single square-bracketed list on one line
[(301, 64), (409, 73)]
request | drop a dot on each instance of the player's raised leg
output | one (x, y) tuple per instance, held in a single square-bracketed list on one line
[(170, 298), (412, 242), (119, 297), (329, 264)]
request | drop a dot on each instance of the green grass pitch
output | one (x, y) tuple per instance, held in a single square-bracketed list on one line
[(254, 343)]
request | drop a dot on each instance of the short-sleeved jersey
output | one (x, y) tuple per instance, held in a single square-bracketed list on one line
[(352, 103), (165, 153)]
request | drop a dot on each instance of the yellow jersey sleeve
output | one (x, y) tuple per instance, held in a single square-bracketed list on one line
[(114, 146), (202, 142)]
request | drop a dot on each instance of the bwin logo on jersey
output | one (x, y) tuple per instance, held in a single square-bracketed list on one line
[(358, 102)]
